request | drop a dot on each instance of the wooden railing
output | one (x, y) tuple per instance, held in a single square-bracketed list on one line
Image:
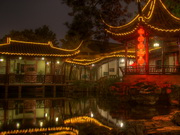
[(19, 78), (151, 69)]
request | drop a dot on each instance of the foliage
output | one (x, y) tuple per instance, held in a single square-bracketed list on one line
[(146, 87), (110, 81), (87, 16), (70, 42), (173, 6), (42, 34)]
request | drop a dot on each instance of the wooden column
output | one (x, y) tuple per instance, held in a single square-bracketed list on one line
[(80, 73), (53, 70), (101, 71), (85, 74), (174, 59), (70, 72), (54, 91), (6, 91), (7, 70), (90, 73), (19, 91), (163, 58), (126, 52), (64, 72), (147, 54), (178, 56), (108, 68), (117, 66)]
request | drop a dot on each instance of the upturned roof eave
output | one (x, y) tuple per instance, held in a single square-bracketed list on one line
[(14, 47), (149, 13)]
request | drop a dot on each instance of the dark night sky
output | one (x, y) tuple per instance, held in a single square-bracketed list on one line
[(31, 14)]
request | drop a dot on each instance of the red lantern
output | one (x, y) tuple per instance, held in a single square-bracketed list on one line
[(141, 31), (140, 38), (141, 53), (141, 61), (168, 91), (140, 45)]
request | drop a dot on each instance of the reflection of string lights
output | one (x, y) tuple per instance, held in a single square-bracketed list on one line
[(63, 130), (85, 119)]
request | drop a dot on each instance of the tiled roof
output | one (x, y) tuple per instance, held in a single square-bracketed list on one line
[(156, 19), (14, 47)]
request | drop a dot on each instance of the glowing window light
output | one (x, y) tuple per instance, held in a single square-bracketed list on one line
[(17, 125), (20, 58), (1, 59), (156, 45), (46, 114), (42, 58), (121, 124), (57, 119), (41, 123), (131, 62), (57, 62), (122, 60)]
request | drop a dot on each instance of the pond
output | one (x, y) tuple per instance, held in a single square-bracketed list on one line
[(18, 114)]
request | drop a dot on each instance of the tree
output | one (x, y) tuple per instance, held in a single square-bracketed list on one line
[(87, 16), (42, 34), (173, 6), (70, 42)]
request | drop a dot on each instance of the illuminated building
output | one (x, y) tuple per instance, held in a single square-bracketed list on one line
[(32, 63)]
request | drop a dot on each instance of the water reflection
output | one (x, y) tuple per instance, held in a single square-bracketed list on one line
[(50, 112)]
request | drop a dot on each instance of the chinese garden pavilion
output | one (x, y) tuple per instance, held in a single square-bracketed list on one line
[(32, 62), (153, 21)]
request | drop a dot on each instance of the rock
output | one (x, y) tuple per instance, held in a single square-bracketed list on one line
[(145, 99), (176, 118), (135, 128)]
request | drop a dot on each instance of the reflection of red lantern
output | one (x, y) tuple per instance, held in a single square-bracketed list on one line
[(168, 91), (141, 53), (140, 45), (141, 61), (140, 38), (140, 31)]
